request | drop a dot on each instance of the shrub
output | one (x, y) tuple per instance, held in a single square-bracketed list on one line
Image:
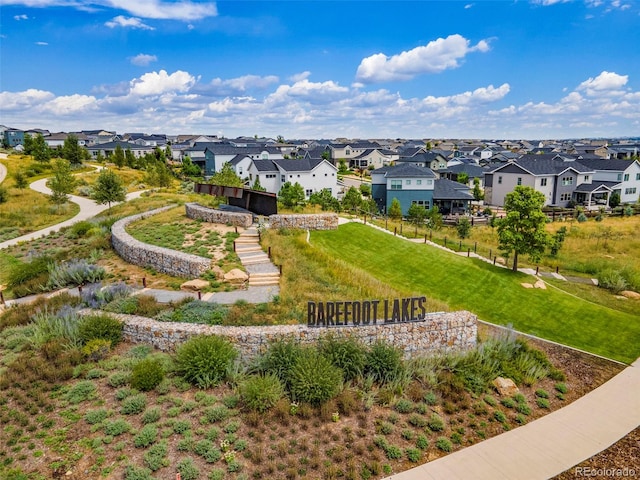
[(499, 416), (542, 393), (151, 415), (523, 408), (95, 416), (413, 454), (116, 427), (78, 229), (403, 406), (384, 362), (196, 311), (74, 272), (444, 444), (96, 349), (435, 423), (118, 379), (204, 360), (80, 392), (542, 402), (95, 296), (154, 457), (181, 426), (279, 358), (63, 326), (134, 473), (418, 420), (146, 436), (561, 387), (613, 280), (430, 398), (347, 354), (188, 470), (134, 404), (314, 379), (509, 402), (147, 374), (261, 392), (422, 442), (102, 327), (21, 273), (215, 414)]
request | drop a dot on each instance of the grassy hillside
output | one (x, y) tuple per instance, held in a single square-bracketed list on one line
[(494, 294)]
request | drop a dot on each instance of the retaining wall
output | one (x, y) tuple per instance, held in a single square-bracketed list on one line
[(439, 332), (161, 259), (212, 215), (321, 221)]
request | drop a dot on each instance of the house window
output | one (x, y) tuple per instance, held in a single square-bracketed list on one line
[(396, 184), (543, 182), (586, 178), (565, 197), (265, 156), (499, 180), (626, 177), (619, 176), (429, 182), (308, 192), (519, 180), (271, 175), (630, 191), (421, 203), (283, 178), (637, 176), (567, 181), (408, 182), (347, 152), (418, 182)]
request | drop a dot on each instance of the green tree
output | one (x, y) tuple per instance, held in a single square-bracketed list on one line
[(343, 168), (72, 151), (4, 194), (40, 149), (291, 195), (190, 169), (130, 159), (108, 188), (352, 199), (62, 182), (463, 227), (522, 230), (463, 177), (21, 180), (227, 177), (434, 218), (325, 200), (614, 199), (158, 175), (280, 139), (395, 210), (118, 157), (326, 155), (477, 191), (159, 154), (429, 146), (256, 185), (370, 206), (168, 153), (27, 143), (365, 189), (416, 214), (99, 157)]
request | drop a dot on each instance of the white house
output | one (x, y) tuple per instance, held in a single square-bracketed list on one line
[(314, 175), (622, 176)]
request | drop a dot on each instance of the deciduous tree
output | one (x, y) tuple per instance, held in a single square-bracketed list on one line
[(291, 195), (522, 230), (118, 157), (416, 214), (227, 177), (62, 182), (477, 191), (352, 199), (108, 188), (72, 151)]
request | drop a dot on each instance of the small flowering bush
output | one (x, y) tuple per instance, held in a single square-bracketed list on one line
[(73, 272)]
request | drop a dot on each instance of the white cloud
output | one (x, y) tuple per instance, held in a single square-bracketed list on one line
[(42, 44), (604, 84), (435, 57), (298, 77), (143, 59), (24, 100), (546, 3), (183, 10), (69, 105), (156, 83), (20, 17), (128, 22), (468, 6)]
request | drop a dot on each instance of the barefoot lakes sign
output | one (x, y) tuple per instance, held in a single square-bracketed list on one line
[(368, 312)]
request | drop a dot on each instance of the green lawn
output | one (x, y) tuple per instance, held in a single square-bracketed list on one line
[(492, 293)]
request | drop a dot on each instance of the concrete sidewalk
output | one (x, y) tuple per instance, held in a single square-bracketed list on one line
[(550, 445)]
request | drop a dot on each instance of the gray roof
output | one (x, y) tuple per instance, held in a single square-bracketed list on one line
[(546, 164), (449, 190), (614, 164), (298, 165), (474, 171), (406, 170), (265, 165), (590, 187)]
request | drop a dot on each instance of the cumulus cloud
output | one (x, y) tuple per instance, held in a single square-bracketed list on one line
[(435, 57), (156, 83), (605, 83), (298, 77), (69, 104), (142, 59), (20, 17), (128, 22), (26, 99), (183, 10), (236, 86)]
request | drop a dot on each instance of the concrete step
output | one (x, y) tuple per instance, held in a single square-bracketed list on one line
[(252, 254), (265, 275), (248, 247), (264, 283), (247, 240), (254, 260)]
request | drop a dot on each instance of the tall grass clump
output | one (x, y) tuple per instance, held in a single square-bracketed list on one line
[(279, 358), (205, 360), (102, 327), (261, 392), (314, 379), (196, 311), (62, 326), (26, 278), (146, 374), (347, 354), (384, 362), (98, 295)]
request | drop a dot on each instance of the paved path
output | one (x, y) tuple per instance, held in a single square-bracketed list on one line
[(88, 209), (3, 169), (550, 445)]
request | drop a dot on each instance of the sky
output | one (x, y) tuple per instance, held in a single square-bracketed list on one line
[(538, 69)]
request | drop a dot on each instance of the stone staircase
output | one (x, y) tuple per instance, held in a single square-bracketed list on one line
[(257, 263)]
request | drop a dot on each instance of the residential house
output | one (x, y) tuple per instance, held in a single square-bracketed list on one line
[(434, 161), (553, 175), (100, 136), (350, 150), (56, 140), (314, 175), (472, 170), (14, 137), (211, 156), (373, 157), (107, 149), (622, 176)]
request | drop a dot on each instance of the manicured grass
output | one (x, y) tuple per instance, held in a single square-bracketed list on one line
[(493, 293)]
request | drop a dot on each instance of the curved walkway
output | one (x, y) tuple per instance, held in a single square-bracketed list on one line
[(550, 445), (88, 209)]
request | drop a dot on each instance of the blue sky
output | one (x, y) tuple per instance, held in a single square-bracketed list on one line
[(323, 69)]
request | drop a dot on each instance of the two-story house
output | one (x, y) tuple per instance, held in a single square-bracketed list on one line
[(314, 175), (555, 176), (622, 176), (373, 157)]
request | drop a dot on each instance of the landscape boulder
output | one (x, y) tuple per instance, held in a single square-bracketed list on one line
[(630, 294), (505, 387), (540, 284), (194, 285), (236, 277)]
